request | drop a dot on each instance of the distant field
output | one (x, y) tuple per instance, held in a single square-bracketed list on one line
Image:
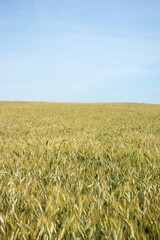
[(79, 171)]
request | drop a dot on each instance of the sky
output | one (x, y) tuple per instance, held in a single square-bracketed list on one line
[(80, 50)]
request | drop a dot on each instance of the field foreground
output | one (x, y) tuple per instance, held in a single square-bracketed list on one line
[(79, 171)]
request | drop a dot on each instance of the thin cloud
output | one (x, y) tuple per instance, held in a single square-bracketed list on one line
[(112, 77)]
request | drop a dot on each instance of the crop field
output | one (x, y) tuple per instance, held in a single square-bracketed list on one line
[(79, 171)]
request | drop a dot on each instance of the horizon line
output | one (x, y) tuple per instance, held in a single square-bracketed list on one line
[(30, 101)]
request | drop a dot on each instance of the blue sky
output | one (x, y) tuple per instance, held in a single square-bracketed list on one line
[(80, 50)]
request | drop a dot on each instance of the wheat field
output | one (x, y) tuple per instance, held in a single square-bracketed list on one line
[(79, 171)]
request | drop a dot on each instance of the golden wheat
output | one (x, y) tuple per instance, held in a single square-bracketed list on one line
[(79, 171)]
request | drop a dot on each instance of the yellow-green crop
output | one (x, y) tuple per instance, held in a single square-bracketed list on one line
[(79, 171)]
